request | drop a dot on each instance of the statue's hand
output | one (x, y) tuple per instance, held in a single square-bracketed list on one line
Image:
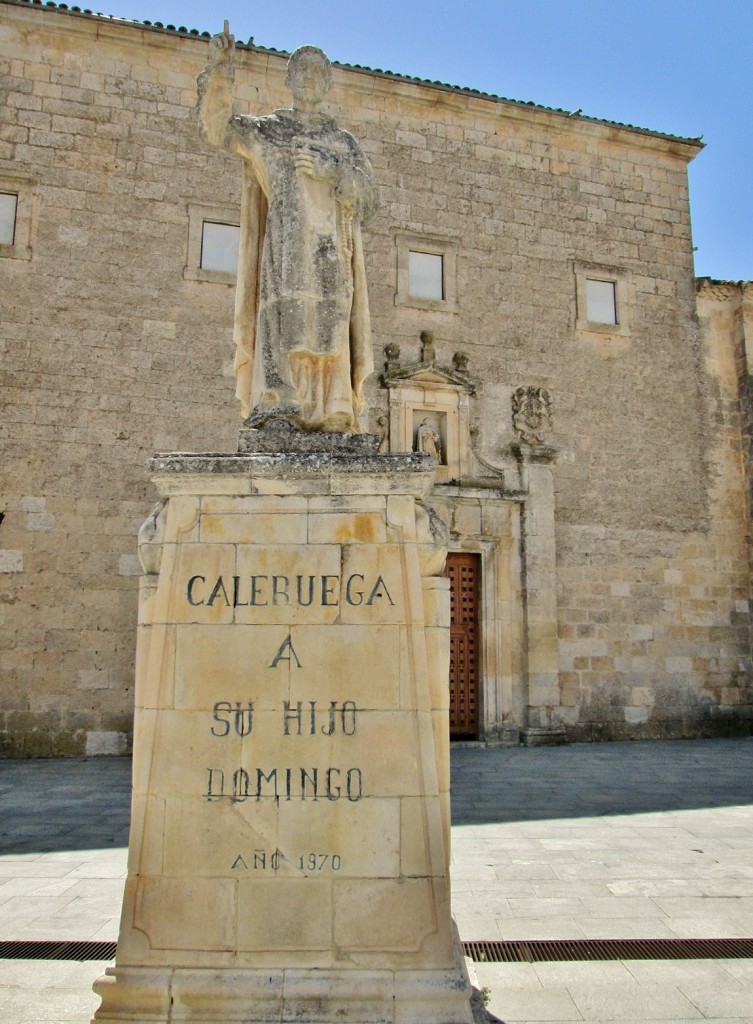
[(304, 162), (222, 46), (314, 166)]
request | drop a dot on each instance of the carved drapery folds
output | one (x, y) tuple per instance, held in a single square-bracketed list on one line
[(302, 327)]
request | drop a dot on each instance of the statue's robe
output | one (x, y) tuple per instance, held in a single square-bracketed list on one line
[(302, 328)]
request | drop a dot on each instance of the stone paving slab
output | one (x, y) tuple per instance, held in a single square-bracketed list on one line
[(670, 990), (622, 840)]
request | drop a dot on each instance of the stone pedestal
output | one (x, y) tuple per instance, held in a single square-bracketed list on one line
[(290, 836)]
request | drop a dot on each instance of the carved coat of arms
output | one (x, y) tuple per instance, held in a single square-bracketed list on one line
[(531, 414)]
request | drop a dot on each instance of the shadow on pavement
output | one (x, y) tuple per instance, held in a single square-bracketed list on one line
[(64, 804), (504, 784), (84, 803)]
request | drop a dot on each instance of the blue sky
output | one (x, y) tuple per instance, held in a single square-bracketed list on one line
[(678, 66)]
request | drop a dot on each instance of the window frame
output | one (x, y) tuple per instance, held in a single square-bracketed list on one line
[(197, 217), (25, 191), (430, 246), (616, 276)]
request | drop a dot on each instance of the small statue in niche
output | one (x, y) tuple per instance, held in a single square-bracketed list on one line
[(531, 413), (428, 440)]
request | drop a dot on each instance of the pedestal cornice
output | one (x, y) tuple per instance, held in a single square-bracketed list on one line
[(312, 472)]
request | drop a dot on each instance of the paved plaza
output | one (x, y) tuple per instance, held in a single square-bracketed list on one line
[(621, 840)]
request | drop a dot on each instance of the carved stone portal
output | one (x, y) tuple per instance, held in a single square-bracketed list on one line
[(429, 408)]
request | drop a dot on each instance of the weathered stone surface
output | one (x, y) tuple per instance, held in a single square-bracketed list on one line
[(302, 327), (278, 435), (215, 468)]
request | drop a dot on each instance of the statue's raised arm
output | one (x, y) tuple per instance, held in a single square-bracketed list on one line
[(302, 330), (215, 88)]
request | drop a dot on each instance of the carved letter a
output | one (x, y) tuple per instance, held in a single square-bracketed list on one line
[(287, 645)]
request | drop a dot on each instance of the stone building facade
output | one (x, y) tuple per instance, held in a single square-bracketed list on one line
[(588, 402)]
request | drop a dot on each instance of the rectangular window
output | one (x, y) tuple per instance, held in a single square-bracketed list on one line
[(601, 301), (426, 272), (426, 275), (219, 247), (604, 297), (8, 208)]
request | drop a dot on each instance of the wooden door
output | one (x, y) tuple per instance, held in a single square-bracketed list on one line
[(464, 573)]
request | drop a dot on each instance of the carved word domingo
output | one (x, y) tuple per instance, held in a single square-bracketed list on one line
[(285, 784), (304, 591)]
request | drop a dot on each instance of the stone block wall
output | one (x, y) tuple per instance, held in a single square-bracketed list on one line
[(111, 350), (655, 624)]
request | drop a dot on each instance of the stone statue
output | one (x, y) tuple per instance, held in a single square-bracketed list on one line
[(302, 328), (428, 440)]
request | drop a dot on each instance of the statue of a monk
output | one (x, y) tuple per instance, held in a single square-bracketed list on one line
[(302, 329)]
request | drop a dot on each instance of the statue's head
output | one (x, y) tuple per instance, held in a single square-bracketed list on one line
[(309, 75)]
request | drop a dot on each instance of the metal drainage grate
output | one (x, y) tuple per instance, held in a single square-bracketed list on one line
[(537, 951), (504, 951), (55, 949)]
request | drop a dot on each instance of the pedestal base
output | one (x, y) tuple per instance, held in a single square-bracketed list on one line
[(289, 848), (248, 996)]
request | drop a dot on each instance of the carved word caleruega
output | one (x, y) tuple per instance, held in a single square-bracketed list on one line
[(262, 591)]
